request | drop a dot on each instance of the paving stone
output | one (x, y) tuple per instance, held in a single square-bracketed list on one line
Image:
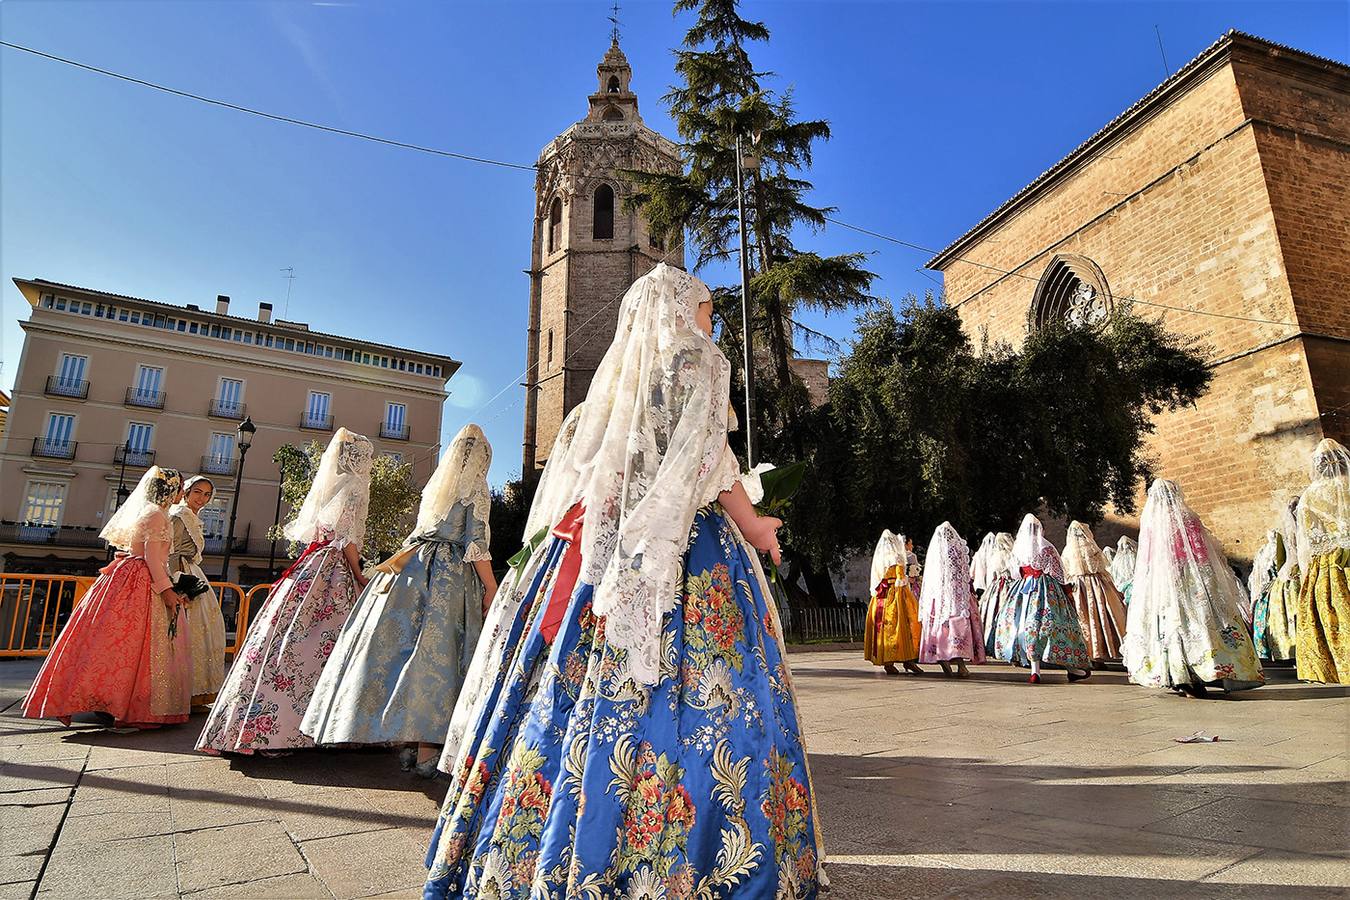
[(20, 867), (18, 890), (115, 826), (233, 854), (1275, 867), (284, 887), (33, 815), (27, 776), (1301, 828), (42, 752), (136, 869), (333, 811), (359, 865)]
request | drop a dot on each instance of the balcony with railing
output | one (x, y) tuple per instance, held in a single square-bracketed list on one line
[(51, 535), (71, 388), (144, 398), (133, 457), (218, 465), (226, 409), (54, 449), (394, 432), (316, 423)]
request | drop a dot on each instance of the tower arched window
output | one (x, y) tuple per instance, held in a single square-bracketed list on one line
[(1072, 289), (602, 228), (555, 225), (613, 114), (613, 86)]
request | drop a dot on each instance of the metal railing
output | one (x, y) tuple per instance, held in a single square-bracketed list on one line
[(34, 609), (225, 409), (56, 535), (54, 449), (133, 456), (217, 465), (394, 432), (805, 625), (147, 399), (316, 423), (67, 387)]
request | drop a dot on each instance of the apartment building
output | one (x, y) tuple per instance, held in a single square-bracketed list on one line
[(108, 385)]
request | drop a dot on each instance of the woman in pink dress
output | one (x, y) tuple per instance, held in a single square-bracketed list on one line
[(265, 695), (949, 616), (124, 653)]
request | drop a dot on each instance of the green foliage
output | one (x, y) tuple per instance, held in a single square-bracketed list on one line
[(920, 428), (393, 496)]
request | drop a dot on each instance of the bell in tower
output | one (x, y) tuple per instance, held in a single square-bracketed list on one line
[(587, 248)]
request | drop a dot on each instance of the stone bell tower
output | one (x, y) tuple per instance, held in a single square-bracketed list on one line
[(587, 248)]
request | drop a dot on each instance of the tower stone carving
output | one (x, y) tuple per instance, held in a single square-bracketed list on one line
[(587, 248)]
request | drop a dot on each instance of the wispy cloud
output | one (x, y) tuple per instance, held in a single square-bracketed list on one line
[(466, 391), (298, 38)]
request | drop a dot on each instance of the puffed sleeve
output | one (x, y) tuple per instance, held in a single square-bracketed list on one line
[(158, 535), (182, 549)]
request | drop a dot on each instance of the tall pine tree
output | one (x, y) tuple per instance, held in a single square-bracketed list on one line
[(722, 96)]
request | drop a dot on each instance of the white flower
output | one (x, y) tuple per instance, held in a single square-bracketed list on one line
[(714, 685), (645, 885), (754, 489)]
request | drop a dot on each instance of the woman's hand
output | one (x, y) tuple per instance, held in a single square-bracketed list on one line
[(489, 593), (172, 599), (762, 534)]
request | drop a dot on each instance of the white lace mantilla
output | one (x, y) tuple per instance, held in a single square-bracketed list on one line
[(650, 449)]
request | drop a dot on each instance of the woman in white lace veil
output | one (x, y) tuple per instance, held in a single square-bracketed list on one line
[(1185, 627), (979, 564), (650, 635), (1003, 576), (1122, 566), (1323, 520), (124, 654), (1038, 625), (396, 671), (891, 630), (206, 623), (1101, 611), (269, 686), (948, 613), (1274, 586)]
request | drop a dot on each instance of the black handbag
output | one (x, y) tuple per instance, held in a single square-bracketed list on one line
[(190, 586)]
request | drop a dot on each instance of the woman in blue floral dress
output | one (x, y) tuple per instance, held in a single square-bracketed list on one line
[(1038, 624), (643, 738)]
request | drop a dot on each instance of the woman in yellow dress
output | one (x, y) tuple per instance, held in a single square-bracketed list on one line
[(891, 634), (1324, 557)]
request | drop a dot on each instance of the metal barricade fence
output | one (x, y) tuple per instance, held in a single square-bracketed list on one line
[(842, 624), (34, 609)]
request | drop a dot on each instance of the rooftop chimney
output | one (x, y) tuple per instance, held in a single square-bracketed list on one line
[(264, 312), (222, 305)]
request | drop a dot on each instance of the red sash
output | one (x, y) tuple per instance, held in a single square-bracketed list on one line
[(313, 547), (569, 529), (1029, 572), (883, 588)]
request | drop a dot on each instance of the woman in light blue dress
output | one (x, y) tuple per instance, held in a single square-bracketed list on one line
[(401, 658)]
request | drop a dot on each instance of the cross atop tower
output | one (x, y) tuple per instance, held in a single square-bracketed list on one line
[(614, 20)]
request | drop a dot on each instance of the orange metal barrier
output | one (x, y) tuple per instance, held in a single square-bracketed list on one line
[(34, 609)]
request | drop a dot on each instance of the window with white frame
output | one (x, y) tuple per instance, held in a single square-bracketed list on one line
[(395, 418), (140, 437), (149, 383), (43, 503), (230, 396), (316, 408), (60, 431), (70, 374), (221, 449)]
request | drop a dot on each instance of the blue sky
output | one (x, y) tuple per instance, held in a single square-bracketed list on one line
[(940, 111)]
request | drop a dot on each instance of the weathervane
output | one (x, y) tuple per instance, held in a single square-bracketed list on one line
[(614, 20)]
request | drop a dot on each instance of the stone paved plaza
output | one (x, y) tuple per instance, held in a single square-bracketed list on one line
[(928, 787)]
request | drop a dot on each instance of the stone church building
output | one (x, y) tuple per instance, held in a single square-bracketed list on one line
[(587, 249), (1220, 202)]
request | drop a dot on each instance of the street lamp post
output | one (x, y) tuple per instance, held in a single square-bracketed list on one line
[(744, 162), (246, 430), (276, 520), (122, 492)]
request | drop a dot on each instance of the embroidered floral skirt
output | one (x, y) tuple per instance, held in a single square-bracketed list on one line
[(268, 689), (1101, 612), (115, 655), (1324, 619), (891, 632), (1275, 620), (573, 781), (1039, 622)]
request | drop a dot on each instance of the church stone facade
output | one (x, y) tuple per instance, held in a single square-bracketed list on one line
[(587, 249), (1224, 191)]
